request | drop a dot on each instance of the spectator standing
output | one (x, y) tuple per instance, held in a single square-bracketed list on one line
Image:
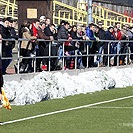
[(61, 24), (6, 45), (92, 46), (26, 49), (50, 32), (34, 31), (43, 46), (74, 36), (101, 34), (109, 36), (12, 26), (1, 79), (118, 36), (126, 35), (1, 76), (64, 34), (117, 33), (35, 27)]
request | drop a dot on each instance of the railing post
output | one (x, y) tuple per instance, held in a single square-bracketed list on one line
[(63, 60), (87, 55), (108, 53), (18, 58), (35, 57), (49, 59), (118, 49), (76, 59)]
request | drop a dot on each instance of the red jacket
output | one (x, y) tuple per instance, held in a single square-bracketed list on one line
[(117, 35), (34, 30)]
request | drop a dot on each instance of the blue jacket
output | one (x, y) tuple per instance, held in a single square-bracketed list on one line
[(90, 34), (109, 35)]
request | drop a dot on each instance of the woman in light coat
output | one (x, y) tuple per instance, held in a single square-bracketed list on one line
[(26, 49)]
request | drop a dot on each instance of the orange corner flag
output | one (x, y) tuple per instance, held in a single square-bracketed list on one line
[(5, 101)]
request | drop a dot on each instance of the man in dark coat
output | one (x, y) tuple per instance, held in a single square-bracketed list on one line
[(109, 36), (63, 31), (1, 76), (101, 34), (1, 79), (91, 43), (49, 31), (43, 47), (6, 45)]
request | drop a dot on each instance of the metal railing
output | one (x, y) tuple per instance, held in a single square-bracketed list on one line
[(63, 56)]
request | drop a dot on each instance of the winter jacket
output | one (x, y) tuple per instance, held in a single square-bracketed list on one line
[(41, 35), (5, 35), (1, 76), (47, 31), (62, 33), (109, 35), (90, 35), (102, 36), (117, 35), (27, 35), (34, 30)]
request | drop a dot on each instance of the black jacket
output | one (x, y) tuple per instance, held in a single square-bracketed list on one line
[(1, 76), (102, 36), (74, 35), (5, 32), (62, 33), (109, 35), (47, 31)]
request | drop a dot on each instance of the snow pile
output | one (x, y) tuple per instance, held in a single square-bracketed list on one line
[(46, 85)]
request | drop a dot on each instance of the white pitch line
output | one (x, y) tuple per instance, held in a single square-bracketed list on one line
[(103, 107), (65, 110)]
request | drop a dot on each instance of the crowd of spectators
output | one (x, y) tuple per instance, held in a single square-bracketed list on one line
[(87, 44)]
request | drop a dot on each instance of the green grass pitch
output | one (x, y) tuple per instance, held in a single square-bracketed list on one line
[(113, 117)]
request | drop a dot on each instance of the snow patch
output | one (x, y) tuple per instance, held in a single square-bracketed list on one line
[(46, 85)]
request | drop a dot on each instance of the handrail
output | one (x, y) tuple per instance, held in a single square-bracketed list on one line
[(65, 40), (64, 56)]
